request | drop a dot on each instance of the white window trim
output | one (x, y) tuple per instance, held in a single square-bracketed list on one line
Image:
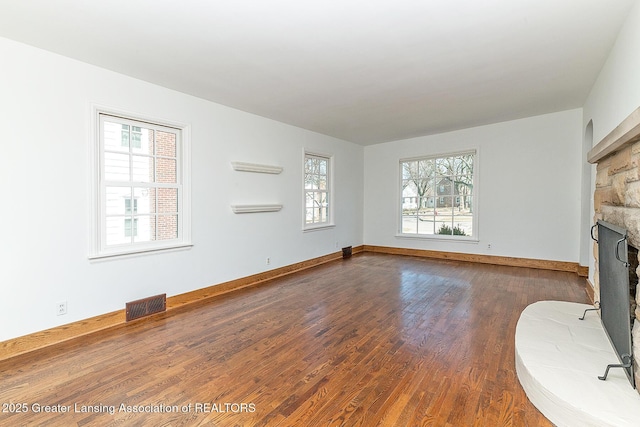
[(331, 223), (476, 200), (96, 248)]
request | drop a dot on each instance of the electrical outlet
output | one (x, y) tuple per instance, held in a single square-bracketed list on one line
[(489, 246), (268, 260), (61, 308)]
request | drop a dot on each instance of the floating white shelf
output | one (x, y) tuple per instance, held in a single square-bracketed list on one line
[(254, 167), (255, 208)]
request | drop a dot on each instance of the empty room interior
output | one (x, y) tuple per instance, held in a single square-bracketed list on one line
[(243, 213)]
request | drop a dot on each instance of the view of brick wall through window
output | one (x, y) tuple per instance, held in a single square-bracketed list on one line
[(141, 184), (167, 220)]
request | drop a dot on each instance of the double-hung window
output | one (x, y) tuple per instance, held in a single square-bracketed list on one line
[(317, 191), (142, 197), (439, 196)]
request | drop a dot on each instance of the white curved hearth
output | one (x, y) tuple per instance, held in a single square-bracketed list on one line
[(558, 360)]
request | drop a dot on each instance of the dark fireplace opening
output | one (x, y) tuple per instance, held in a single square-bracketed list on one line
[(633, 280)]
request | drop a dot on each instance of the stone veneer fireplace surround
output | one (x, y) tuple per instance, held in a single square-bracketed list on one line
[(617, 199)]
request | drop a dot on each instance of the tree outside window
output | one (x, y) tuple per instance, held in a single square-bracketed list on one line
[(317, 190), (438, 195)]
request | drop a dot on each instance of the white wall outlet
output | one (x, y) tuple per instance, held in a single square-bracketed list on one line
[(489, 246), (61, 308), (268, 261)]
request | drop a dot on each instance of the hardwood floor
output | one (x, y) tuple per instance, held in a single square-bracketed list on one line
[(374, 340)]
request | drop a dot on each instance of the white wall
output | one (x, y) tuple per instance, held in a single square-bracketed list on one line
[(529, 187), (45, 118), (525, 209), (616, 92)]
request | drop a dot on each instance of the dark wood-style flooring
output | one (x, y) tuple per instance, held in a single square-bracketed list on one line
[(376, 340)]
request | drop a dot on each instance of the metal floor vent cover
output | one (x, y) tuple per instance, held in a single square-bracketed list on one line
[(347, 252), (146, 306)]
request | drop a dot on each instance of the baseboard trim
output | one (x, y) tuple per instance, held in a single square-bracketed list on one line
[(64, 333), (583, 271), (571, 267), (61, 334)]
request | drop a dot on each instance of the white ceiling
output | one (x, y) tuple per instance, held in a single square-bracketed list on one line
[(365, 71)]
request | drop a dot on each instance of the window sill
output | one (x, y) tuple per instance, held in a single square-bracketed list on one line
[(441, 238), (106, 256)]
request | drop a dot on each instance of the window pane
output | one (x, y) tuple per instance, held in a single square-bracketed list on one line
[(462, 228), (128, 209), (409, 189), (308, 165), (444, 205), (314, 165), (310, 182), (166, 171), (443, 226), (463, 184), (425, 169), (142, 140), (116, 167), (410, 224), (166, 144), (167, 200), (167, 227), (146, 231), (319, 199), (145, 200), (142, 168), (117, 200), (322, 166), (409, 198), (425, 224), (115, 137), (125, 137), (322, 182), (464, 164), (409, 170), (115, 231), (324, 213), (130, 227), (136, 138)]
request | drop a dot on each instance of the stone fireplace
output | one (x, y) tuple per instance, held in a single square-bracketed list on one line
[(617, 201)]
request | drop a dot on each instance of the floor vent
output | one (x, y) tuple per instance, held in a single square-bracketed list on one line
[(146, 306), (346, 252)]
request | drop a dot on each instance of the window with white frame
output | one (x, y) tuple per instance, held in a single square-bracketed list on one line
[(317, 190), (141, 194), (438, 196)]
